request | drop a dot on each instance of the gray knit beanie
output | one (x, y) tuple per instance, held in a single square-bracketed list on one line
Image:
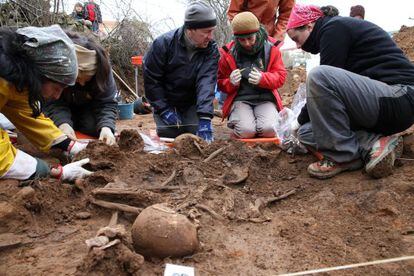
[(199, 15)]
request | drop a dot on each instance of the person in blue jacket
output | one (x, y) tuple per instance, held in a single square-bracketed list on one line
[(180, 75)]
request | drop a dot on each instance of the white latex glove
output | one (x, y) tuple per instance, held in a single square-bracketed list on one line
[(255, 76), (75, 147), (235, 77), (68, 130), (71, 171), (294, 126), (107, 136)]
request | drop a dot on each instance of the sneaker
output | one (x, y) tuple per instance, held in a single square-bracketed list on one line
[(326, 168), (383, 155)]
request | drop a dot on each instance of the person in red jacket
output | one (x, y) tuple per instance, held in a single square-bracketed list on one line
[(273, 14), (250, 71)]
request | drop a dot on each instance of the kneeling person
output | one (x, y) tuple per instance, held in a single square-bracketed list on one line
[(180, 74), (250, 71)]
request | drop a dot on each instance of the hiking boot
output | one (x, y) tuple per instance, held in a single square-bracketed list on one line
[(326, 168), (383, 155)]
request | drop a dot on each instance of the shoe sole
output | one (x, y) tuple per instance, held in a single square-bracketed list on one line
[(384, 165), (321, 175)]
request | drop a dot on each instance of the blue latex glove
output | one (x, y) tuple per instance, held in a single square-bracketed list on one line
[(205, 130), (170, 117)]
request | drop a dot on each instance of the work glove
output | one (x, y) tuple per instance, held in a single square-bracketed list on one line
[(170, 117), (205, 130), (235, 77), (75, 147), (107, 136), (71, 171), (255, 76), (68, 130), (294, 126)]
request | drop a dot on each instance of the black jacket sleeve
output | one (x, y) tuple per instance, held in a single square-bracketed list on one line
[(153, 68), (105, 105), (206, 83), (59, 111)]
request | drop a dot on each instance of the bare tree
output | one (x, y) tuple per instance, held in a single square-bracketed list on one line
[(18, 13)]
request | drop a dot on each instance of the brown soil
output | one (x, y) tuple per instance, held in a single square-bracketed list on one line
[(130, 140), (405, 40), (294, 77), (351, 218)]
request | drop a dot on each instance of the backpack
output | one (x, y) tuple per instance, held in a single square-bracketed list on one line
[(90, 7)]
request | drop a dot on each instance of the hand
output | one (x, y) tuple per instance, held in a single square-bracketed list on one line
[(68, 130), (73, 171), (107, 136), (235, 77), (205, 130), (75, 147), (255, 76), (294, 126), (170, 117)]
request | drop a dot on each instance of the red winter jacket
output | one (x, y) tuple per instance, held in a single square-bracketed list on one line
[(272, 78)]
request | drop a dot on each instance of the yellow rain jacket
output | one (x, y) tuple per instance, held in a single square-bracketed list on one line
[(40, 131)]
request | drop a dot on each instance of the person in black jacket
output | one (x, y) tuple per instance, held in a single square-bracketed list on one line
[(180, 75), (360, 96), (89, 106)]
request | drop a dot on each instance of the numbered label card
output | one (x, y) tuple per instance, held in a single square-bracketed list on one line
[(178, 270)]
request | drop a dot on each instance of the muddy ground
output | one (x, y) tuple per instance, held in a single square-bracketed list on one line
[(405, 40), (307, 223), (348, 219)]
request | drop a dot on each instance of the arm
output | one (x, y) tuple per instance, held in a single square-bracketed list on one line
[(285, 8), (275, 75), (85, 12), (40, 131), (235, 7), (153, 67), (223, 78), (105, 106), (59, 111), (206, 82), (98, 13), (335, 44)]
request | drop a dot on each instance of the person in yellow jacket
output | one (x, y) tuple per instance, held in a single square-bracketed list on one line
[(36, 65)]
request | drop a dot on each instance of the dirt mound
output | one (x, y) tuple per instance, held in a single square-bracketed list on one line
[(294, 77), (130, 140), (258, 212), (405, 40), (117, 260)]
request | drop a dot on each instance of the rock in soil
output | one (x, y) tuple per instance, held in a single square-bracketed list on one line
[(83, 215), (116, 260)]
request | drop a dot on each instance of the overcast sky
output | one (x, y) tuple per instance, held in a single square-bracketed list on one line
[(164, 15)]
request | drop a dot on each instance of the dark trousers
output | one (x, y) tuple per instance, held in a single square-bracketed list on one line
[(189, 121), (338, 99), (84, 120)]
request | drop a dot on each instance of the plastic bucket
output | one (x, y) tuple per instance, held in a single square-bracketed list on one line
[(125, 111)]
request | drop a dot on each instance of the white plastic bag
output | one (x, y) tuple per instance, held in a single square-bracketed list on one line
[(287, 116), (152, 146)]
